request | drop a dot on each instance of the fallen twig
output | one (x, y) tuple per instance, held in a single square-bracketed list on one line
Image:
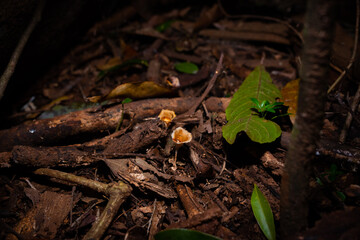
[(117, 192), (19, 48), (352, 59), (192, 110)]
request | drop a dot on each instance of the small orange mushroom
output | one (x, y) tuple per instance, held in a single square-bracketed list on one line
[(167, 116), (180, 136)]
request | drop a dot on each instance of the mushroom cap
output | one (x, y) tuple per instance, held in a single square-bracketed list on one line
[(167, 115), (181, 135)]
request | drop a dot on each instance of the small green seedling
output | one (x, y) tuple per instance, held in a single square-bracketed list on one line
[(262, 109), (126, 100), (331, 175), (163, 26)]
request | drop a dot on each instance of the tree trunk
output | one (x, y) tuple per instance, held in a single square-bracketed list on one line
[(309, 119)]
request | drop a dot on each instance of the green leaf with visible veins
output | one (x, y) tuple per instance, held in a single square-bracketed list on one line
[(239, 115)]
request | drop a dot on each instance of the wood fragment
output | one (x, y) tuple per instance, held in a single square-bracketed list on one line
[(269, 161), (121, 169), (44, 219), (189, 200)]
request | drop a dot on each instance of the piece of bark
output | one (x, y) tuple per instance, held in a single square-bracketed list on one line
[(44, 219), (68, 156), (141, 163), (269, 161), (143, 134), (158, 215), (124, 169), (189, 200)]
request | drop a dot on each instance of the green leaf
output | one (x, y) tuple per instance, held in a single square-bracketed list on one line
[(263, 214), (239, 115), (187, 67), (183, 234), (126, 100), (254, 100), (341, 195)]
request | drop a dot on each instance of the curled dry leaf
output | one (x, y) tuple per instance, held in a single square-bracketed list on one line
[(141, 90), (180, 136), (290, 97), (167, 116)]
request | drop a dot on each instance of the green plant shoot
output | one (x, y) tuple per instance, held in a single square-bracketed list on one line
[(265, 107)]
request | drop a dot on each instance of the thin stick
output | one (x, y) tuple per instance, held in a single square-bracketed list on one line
[(208, 88), (352, 59), (19, 48), (117, 192)]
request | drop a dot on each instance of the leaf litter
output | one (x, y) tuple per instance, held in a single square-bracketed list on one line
[(211, 185)]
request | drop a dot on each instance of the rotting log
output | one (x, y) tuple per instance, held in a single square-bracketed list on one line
[(89, 123), (72, 156)]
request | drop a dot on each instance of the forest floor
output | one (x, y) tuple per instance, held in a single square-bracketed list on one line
[(81, 122)]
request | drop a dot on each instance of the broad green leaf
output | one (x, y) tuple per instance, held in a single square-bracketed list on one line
[(183, 234), (263, 214), (239, 115), (187, 67)]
